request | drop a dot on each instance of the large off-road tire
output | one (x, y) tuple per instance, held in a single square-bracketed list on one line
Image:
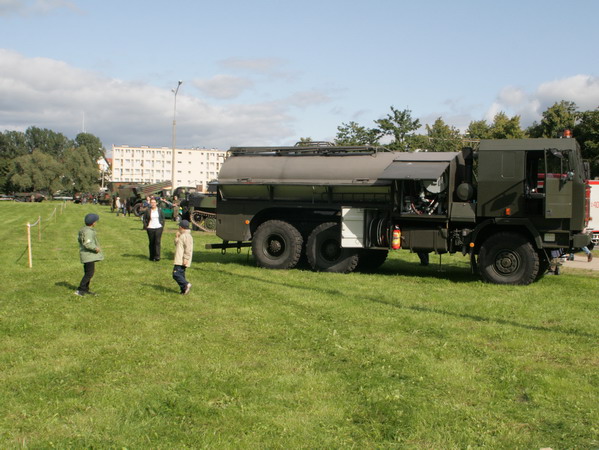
[(370, 260), (277, 245), (138, 209), (508, 258), (324, 251)]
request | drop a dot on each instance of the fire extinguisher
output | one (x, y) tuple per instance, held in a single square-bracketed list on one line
[(396, 241)]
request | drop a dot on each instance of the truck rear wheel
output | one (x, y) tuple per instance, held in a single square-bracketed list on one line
[(277, 245), (325, 253), (508, 258)]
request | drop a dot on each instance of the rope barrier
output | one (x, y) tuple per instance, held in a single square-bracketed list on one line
[(38, 223)]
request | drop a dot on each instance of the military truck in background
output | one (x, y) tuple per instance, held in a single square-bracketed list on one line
[(135, 194), (507, 204), (201, 208)]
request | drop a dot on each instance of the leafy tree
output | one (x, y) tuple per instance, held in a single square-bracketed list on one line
[(505, 128), (47, 141), (587, 134), (399, 125), (81, 173), (92, 144), (443, 138), (304, 141), (557, 118), (502, 128), (354, 134), (478, 129), (12, 145), (37, 171)]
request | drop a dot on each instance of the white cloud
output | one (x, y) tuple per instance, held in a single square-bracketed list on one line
[(580, 89), (51, 94)]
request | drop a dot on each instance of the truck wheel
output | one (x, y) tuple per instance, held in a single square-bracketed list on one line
[(277, 245), (138, 209), (508, 258), (325, 253), (370, 260)]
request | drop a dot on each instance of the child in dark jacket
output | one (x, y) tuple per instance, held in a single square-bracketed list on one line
[(89, 253)]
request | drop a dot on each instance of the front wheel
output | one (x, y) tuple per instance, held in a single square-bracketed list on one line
[(508, 258), (277, 245), (325, 253)]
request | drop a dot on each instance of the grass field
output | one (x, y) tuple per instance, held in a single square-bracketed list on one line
[(409, 357)]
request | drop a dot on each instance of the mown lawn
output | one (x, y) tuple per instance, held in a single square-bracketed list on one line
[(409, 357)]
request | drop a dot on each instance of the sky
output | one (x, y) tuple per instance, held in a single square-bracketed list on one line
[(267, 72)]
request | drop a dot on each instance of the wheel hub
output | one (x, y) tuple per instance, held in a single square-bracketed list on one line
[(506, 262), (275, 246), (330, 250)]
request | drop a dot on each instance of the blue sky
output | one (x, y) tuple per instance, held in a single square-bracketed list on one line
[(269, 72)]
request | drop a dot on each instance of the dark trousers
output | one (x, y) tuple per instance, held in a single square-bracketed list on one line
[(154, 237), (88, 272), (179, 276)]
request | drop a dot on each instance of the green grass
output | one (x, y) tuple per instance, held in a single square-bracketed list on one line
[(409, 357)]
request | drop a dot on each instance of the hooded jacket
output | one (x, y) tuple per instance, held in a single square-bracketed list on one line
[(88, 243)]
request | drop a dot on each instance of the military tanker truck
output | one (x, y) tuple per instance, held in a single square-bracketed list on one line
[(507, 204)]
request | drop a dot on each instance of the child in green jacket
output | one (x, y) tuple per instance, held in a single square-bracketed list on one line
[(89, 252)]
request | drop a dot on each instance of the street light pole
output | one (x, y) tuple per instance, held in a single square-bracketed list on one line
[(175, 91)]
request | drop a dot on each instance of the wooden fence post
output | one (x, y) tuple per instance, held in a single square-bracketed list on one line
[(29, 244)]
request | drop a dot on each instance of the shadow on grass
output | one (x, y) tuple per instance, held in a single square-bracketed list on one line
[(67, 285), (137, 256), (230, 257), (422, 309), (448, 272), (165, 290)]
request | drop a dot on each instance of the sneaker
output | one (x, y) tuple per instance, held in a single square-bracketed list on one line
[(79, 293), (590, 257), (187, 289), (91, 293)]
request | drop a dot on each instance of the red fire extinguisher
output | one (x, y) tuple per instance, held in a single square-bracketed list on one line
[(396, 241)]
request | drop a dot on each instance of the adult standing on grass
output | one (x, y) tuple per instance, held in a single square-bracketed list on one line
[(183, 256), (153, 220), (117, 204), (89, 253)]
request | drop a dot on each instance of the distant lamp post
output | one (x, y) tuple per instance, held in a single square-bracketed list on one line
[(175, 91)]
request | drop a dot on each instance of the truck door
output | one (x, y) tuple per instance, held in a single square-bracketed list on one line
[(558, 184)]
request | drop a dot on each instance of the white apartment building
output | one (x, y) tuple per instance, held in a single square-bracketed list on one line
[(194, 166)]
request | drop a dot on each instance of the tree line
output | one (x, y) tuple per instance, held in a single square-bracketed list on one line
[(43, 160), (398, 131)]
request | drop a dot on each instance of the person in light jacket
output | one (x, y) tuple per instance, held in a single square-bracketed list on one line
[(89, 253), (183, 255)]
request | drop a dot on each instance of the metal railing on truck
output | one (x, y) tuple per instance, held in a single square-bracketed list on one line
[(308, 149)]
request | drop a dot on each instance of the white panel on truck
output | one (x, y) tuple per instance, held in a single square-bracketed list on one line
[(352, 227)]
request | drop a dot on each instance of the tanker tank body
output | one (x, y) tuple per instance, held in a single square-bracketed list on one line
[(306, 199)]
